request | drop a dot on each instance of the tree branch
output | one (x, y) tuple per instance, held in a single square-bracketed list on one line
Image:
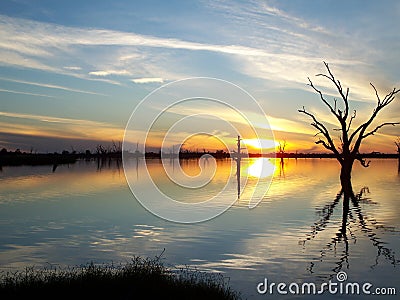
[(323, 99), (351, 120), (363, 162), (363, 127), (324, 144), (322, 129), (338, 85), (379, 127)]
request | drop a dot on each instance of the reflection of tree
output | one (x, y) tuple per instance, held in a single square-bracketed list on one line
[(397, 143), (351, 214), (398, 167), (238, 176), (281, 168), (108, 163)]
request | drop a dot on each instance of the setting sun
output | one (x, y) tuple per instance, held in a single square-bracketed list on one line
[(261, 143)]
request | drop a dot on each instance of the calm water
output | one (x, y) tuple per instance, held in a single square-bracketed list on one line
[(86, 212)]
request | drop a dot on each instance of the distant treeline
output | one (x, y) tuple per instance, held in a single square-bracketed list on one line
[(14, 158), (17, 157), (186, 154), (331, 155)]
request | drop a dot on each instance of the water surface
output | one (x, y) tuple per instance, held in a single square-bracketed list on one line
[(86, 212)]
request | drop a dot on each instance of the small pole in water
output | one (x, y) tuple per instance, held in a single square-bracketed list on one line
[(238, 147), (238, 159)]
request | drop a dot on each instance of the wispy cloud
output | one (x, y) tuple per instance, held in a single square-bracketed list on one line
[(73, 68), (109, 72), (285, 54), (42, 36), (25, 93), (148, 80), (59, 127), (295, 47), (51, 119), (51, 86)]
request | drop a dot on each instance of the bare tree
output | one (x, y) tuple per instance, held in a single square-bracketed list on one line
[(397, 143), (350, 140), (281, 147), (281, 153)]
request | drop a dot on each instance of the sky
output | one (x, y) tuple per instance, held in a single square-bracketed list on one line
[(72, 73)]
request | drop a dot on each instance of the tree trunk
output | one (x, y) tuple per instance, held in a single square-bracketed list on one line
[(347, 188), (345, 177), (346, 208), (398, 166)]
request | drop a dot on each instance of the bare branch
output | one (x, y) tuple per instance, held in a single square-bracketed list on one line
[(363, 127), (351, 120), (376, 93), (363, 162), (379, 127), (323, 99), (397, 143), (324, 144), (338, 85), (322, 129)]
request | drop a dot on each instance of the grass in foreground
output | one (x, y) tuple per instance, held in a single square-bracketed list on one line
[(138, 279)]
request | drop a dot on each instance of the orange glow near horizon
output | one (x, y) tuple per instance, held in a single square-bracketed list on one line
[(68, 128), (258, 144)]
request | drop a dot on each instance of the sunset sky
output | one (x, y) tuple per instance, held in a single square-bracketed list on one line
[(71, 72)]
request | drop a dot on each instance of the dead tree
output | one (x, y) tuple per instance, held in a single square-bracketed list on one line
[(350, 140), (397, 143), (281, 147)]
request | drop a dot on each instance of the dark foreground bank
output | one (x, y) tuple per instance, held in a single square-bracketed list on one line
[(138, 279)]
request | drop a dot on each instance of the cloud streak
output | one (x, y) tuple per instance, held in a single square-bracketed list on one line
[(25, 93), (48, 126), (109, 72), (148, 80), (284, 50), (52, 86)]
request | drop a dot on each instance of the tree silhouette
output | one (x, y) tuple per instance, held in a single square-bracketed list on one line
[(397, 143), (350, 140), (281, 154), (281, 148)]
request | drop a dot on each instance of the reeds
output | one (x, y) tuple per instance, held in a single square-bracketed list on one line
[(139, 278)]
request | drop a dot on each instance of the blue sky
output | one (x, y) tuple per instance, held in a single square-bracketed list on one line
[(71, 74)]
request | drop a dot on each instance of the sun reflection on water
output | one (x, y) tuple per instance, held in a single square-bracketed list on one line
[(261, 168)]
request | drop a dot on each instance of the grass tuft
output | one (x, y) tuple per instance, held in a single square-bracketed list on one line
[(139, 278)]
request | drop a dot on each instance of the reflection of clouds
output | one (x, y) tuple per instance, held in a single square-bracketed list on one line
[(384, 186), (67, 180), (151, 232), (234, 261)]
